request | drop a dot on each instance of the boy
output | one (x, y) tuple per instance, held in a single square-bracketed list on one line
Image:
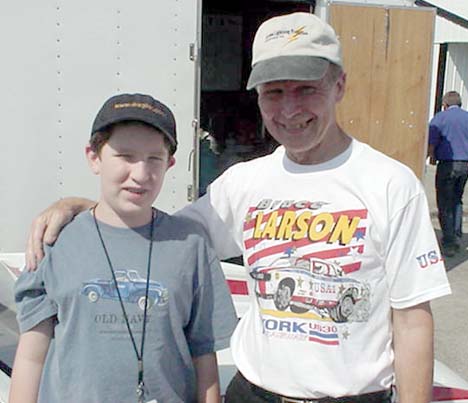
[(125, 284)]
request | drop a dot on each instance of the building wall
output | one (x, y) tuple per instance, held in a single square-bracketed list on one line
[(447, 31), (456, 72), (456, 37), (458, 7)]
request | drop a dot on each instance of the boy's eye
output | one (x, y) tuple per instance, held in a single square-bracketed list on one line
[(155, 158), (126, 157)]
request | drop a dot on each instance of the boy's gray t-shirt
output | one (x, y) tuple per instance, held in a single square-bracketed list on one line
[(91, 358)]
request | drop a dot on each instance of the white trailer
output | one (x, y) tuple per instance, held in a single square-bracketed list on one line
[(62, 59)]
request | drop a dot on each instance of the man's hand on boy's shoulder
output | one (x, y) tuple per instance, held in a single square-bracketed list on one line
[(47, 225)]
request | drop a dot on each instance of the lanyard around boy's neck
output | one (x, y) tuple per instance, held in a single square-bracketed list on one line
[(140, 390)]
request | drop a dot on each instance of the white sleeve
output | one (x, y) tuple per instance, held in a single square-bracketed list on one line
[(415, 268), (214, 212)]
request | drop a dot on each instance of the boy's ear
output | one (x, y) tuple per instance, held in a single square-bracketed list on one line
[(94, 161), (171, 162)]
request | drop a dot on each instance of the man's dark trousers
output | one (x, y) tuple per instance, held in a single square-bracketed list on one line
[(451, 177), (240, 390)]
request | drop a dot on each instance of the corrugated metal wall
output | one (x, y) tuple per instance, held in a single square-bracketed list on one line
[(456, 70), (455, 75), (454, 38)]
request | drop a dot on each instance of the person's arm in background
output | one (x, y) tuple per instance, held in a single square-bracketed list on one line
[(431, 154), (46, 227), (29, 362), (206, 369), (413, 344), (434, 140)]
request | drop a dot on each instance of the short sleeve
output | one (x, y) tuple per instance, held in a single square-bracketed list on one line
[(415, 268), (434, 134), (213, 318), (33, 303), (214, 212)]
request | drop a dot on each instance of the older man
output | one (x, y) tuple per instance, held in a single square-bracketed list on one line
[(336, 238)]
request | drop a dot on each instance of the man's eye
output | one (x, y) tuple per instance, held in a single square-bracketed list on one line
[(309, 90), (273, 92)]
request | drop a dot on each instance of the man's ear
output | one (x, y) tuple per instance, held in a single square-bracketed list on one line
[(94, 161), (341, 86)]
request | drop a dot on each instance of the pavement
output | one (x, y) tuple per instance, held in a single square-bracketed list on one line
[(451, 312)]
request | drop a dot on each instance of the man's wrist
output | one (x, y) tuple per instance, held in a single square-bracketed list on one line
[(76, 205)]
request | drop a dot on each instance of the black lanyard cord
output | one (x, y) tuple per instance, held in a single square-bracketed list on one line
[(139, 355)]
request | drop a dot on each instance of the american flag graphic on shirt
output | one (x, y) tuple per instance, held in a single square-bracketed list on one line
[(300, 255)]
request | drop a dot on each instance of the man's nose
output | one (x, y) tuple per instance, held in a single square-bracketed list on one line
[(291, 105)]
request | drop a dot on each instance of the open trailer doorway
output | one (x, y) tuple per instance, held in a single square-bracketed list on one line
[(231, 126)]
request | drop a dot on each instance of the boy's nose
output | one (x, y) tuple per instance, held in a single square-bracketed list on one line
[(140, 171)]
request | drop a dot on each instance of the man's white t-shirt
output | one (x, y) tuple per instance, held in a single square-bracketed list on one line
[(329, 250)]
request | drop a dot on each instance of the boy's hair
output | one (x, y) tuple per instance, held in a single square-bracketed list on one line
[(101, 137), (133, 109)]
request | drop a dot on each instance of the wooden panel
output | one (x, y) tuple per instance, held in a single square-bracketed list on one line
[(387, 57)]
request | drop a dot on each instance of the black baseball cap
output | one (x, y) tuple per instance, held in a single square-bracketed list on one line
[(140, 108)]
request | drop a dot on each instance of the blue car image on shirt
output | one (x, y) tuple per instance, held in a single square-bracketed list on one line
[(132, 289)]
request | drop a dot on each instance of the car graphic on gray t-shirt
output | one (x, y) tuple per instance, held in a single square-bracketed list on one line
[(132, 288)]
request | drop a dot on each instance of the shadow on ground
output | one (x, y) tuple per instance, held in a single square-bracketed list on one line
[(460, 257)]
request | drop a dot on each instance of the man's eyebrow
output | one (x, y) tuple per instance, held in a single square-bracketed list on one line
[(270, 89)]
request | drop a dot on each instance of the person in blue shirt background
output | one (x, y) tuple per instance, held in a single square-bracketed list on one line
[(448, 148)]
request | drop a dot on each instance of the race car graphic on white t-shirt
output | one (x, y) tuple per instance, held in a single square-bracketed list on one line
[(302, 285), (305, 259)]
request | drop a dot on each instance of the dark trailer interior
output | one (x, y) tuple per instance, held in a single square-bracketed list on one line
[(229, 116)]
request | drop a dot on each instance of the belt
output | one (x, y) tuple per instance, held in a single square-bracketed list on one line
[(448, 161), (374, 397), (383, 396)]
